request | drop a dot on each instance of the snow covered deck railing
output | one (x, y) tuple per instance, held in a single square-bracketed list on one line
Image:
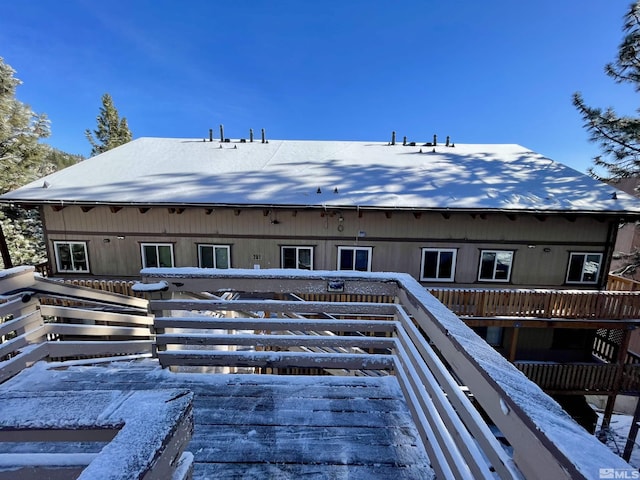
[(543, 441), (44, 319), (125, 435)]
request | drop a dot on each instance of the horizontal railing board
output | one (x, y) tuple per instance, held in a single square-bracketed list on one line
[(53, 287), (16, 306), (275, 324), (84, 314), (274, 359), (27, 357), (35, 335), (97, 348), (97, 330), (244, 339), (25, 322), (492, 380), (411, 339), (429, 398), (280, 306)]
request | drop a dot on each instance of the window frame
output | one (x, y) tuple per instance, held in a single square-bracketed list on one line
[(156, 245), (451, 278), (369, 251), (495, 264), (297, 254), (56, 254), (214, 246), (582, 272)]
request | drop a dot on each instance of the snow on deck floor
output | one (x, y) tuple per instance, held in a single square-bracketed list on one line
[(259, 426)]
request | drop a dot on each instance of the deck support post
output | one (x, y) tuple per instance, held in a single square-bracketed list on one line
[(514, 344), (611, 400), (633, 433)]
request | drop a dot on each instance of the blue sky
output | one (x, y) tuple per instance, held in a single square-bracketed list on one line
[(500, 71)]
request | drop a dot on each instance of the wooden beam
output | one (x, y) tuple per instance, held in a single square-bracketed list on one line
[(514, 344)]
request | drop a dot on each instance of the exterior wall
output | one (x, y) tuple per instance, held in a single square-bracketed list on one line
[(541, 245), (628, 238)]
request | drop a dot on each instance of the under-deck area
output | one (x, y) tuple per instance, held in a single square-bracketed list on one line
[(265, 426)]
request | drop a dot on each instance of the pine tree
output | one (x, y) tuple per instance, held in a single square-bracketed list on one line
[(111, 132), (21, 158), (21, 130), (617, 135)]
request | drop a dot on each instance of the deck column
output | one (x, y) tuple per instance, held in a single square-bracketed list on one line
[(611, 400), (514, 344)]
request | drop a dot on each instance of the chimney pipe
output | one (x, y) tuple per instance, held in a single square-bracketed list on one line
[(447, 144), (251, 134), (211, 134), (393, 137), (404, 140), (263, 136), (221, 133), (435, 140)]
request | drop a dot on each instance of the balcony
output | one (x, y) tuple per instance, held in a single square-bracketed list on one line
[(401, 389)]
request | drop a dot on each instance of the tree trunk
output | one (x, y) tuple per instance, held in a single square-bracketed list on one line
[(4, 250)]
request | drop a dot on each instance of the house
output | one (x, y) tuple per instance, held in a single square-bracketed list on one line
[(448, 214), (457, 216)]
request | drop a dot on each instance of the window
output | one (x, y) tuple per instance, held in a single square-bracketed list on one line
[(438, 264), (157, 255), (584, 267), (297, 257), (214, 256), (492, 335), (354, 258), (71, 256), (495, 265)]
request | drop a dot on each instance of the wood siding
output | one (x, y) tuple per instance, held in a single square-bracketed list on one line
[(255, 236)]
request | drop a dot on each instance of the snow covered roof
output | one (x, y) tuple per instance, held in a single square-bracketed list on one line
[(172, 171)]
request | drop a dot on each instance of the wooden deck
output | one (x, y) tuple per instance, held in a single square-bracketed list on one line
[(265, 426)]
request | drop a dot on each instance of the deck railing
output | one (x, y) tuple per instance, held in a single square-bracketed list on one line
[(540, 303), (41, 319), (452, 381), (616, 282), (593, 378), (431, 352)]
